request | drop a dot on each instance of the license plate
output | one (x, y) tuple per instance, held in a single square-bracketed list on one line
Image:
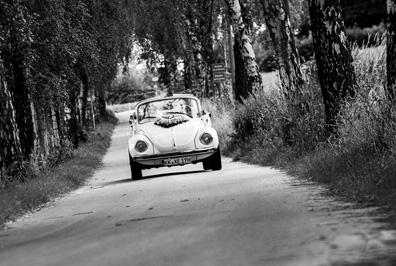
[(176, 161)]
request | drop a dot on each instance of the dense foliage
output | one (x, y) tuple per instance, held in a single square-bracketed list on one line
[(363, 13), (57, 58), (131, 86)]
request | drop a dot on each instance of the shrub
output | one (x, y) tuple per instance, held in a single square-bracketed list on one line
[(274, 124), (360, 161), (221, 112), (365, 37), (368, 120)]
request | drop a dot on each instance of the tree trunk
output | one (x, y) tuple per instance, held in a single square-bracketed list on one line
[(206, 35), (60, 116), (197, 65), (231, 58), (74, 127), (35, 136), (247, 77), (21, 102), (102, 102), (10, 146), (190, 81), (82, 100), (333, 58), (55, 129), (241, 77), (168, 74), (17, 61), (199, 42), (391, 51), (277, 19)]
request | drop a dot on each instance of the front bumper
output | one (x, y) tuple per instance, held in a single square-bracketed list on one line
[(157, 160)]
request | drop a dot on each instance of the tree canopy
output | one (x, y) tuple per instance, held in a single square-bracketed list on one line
[(55, 56)]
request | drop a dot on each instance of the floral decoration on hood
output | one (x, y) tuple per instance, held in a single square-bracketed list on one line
[(171, 120)]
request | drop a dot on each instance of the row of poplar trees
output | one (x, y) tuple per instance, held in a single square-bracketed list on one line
[(56, 55)]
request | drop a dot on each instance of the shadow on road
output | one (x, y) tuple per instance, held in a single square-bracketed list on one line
[(172, 173), (127, 180)]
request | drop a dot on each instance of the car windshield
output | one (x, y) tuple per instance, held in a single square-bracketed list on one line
[(150, 111)]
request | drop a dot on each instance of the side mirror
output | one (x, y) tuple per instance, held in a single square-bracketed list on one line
[(203, 112), (132, 118)]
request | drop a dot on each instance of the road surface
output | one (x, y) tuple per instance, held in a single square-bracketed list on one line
[(241, 215)]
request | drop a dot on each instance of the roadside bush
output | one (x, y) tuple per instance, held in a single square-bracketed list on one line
[(365, 37), (366, 145), (221, 112), (367, 120), (361, 161), (269, 124)]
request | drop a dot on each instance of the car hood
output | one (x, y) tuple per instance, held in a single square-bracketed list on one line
[(176, 138)]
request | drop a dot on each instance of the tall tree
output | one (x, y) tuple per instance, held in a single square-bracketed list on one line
[(61, 41), (277, 20), (391, 51), (10, 146), (17, 55), (247, 77), (160, 36), (333, 57), (197, 16), (112, 31), (50, 48)]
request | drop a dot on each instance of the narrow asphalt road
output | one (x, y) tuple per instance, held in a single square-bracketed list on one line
[(241, 215)]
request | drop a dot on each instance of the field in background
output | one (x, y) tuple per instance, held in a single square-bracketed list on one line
[(270, 79), (118, 108)]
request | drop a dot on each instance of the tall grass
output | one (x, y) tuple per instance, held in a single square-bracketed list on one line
[(361, 161), (118, 108), (269, 130), (221, 112)]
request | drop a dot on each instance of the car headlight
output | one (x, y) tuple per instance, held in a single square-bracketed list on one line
[(206, 139), (141, 146)]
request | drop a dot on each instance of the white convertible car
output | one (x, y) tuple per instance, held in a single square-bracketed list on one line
[(171, 131)]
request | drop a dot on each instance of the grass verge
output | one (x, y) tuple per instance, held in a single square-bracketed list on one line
[(22, 197)]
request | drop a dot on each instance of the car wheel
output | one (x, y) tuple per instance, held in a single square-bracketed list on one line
[(213, 162), (136, 171), (206, 165), (216, 160)]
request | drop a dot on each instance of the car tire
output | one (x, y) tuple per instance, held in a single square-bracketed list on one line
[(216, 160), (136, 171), (206, 165), (213, 162)]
